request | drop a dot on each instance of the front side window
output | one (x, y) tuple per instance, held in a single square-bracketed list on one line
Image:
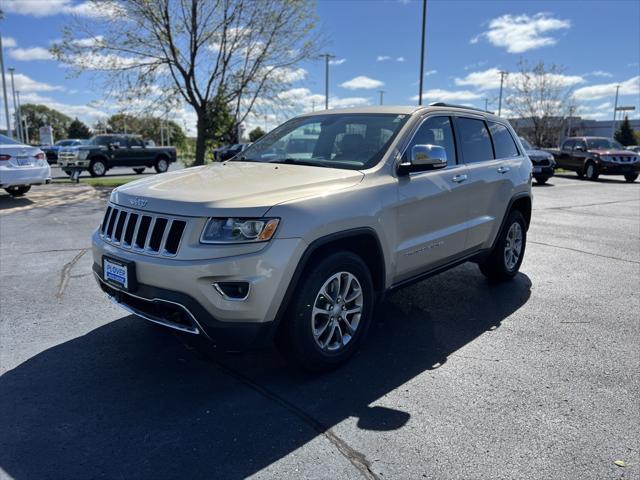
[(350, 141), (580, 144), (568, 144), (503, 141), (136, 142), (435, 131), (474, 140)]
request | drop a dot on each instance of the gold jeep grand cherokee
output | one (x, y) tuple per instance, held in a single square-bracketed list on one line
[(296, 238)]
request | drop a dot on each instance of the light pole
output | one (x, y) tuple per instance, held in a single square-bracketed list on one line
[(4, 89), (15, 106), (502, 75), (381, 92), (326, 57), (486, 104), (615, 108), (571, 111), (424, 22), (23, 132)]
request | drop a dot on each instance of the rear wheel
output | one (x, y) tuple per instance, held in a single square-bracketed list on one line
[(330, 313), (541, 180), (630, 177), (504, 261), (97, 168), (580, 173), (162, 165), (591, 172), (17, 190), (138, 170)]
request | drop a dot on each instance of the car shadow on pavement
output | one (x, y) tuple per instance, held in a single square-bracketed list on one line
[(602, 179), (8, 202), (133, 400)]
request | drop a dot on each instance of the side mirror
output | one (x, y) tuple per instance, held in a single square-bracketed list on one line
[(580, 148), (114, 146), (424, 157)]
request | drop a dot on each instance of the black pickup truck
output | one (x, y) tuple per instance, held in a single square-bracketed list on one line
[(591, 157), (103, 152)]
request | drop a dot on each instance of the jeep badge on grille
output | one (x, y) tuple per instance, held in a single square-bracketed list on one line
[(138, 202)]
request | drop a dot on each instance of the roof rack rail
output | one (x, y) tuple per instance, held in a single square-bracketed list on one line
[(453, 105)]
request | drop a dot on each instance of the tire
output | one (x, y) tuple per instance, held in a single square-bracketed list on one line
[(162, 165), (630, 177), (312, 340), (17, 190), (139, 170), (580, 173), (541, 180), (499, 266), (591, 172), (97, 168)]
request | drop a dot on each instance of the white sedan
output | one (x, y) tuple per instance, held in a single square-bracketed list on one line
[(21, 166)]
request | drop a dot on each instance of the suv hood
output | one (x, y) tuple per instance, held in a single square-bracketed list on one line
[(240, 189), (612, 151)]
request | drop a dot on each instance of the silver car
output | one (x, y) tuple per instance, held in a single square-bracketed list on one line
[(21, 166), (297, 244)]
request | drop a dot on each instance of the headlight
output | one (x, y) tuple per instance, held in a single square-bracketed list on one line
[(82, 154), (239, 230)]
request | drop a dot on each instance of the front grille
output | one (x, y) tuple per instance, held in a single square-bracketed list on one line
[(144, 232), (62, 155), (623, 159)]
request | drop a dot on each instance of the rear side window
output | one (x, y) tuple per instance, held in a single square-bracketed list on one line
[(568, 145), (474, 140), (503, 141), (435, 131)]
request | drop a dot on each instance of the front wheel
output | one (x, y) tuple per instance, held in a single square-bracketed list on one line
[(97, 168), (541, 180), (630, 177), (17, 190), (162, 165), (330, 313), (591, 172), (506, 257)]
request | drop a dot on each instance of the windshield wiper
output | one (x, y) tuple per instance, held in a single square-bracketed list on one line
[(296, 161)]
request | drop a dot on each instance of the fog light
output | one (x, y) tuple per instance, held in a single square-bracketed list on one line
[(232, 290)]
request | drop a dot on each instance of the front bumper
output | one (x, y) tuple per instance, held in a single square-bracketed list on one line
[(66, 163), (189, 284), (610, 168), (12, 176)]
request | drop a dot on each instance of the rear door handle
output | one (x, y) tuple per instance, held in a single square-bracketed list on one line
[(459, 178), (503, 169)]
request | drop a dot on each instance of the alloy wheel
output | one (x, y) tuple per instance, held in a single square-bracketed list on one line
[(513, 246)]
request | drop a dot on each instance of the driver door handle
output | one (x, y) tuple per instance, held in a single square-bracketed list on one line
[(503, 169), (459, 178)]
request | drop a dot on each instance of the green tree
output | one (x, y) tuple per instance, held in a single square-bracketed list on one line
[(40, 115), (255, 134), (239, 54), (624, 134), (77, 129)]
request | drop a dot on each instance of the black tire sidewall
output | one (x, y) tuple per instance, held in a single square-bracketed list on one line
[(93, 173), (595, 171), (159, 162), (18, 191), (631, 177), (299, 335)]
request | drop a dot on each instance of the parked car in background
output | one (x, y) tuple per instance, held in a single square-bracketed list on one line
[(542, 161), (299, 247), (103, 152), (634, 148), (229, 151), (21, 166), (51, 151), (591, 157)]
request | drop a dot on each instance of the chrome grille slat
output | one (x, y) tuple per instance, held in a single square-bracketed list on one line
[(116, 214)]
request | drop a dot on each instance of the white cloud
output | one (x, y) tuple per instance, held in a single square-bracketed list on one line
[(382, 58), (88, 41), (348, 102), (362, 82), (604, 106), (45, 8), (520, 33), (26, 84), (338, 61), (600, 73), (490, 79), (286, 74), (400, 59), (596, 92), (28, 54), (9, 42), (441, 95), (428, 73)]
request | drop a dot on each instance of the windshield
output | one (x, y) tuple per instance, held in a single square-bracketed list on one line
[(603, 144), (525, 144), (4, 140), (104, 140), (350, 141)]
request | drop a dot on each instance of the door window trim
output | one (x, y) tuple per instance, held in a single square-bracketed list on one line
[(414, 132)]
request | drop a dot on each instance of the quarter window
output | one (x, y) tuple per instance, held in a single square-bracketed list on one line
[(474, 140), (435, 131), (503, 141)]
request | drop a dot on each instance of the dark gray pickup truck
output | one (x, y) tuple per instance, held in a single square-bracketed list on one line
[(103, 152), (591, 157)]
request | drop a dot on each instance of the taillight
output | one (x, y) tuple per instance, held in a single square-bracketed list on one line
[(4, 158), (39, 156)]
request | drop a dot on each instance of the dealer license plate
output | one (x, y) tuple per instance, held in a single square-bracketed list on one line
[(537, 169), (116, 273)]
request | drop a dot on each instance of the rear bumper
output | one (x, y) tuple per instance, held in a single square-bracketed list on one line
[(539, 171), (12, 176)]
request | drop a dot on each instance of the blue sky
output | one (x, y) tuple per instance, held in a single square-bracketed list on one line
[(376, 46)]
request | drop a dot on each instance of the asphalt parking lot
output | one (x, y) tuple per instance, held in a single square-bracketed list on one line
[(459, 378)]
